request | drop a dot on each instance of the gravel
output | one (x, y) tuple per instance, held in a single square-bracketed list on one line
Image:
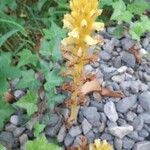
[(144, 100), (125, 104), (14, 119), (110, 111), (75, 130), (138, 123), (86, 126), (91, 114), (145, 145), (121, 131)]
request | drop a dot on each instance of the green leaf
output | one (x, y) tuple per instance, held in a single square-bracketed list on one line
[(53, 79), (2, 147), (38, 128), (28, 102), (138, 6), (50, 45), (26, 57), (119, 7), (5, 110), (118, 32), (7, 71), (5, 4), (106, 3), (15, 24), (138, 28), (54, 99), (28, 80), (41, 143), (4, 37)]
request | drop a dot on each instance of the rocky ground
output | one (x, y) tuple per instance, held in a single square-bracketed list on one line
[(124, 123)]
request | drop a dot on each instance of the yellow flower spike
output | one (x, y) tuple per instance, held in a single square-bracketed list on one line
[(98, 26), (100, 145), (89, 40), (74, 33), (80, 23)]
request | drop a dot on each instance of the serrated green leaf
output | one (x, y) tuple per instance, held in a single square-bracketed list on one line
[(28, 102), (7, 71), (119, 7), (50, 45), (5, 110), (138, 6), (118, 32), (2, 147), (139, 27), (53, 79), (106, 3), (27, 57), (54, 99), (28, 80), (41, 143), (38, 128)]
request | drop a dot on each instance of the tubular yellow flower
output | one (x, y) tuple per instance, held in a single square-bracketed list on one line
[(80, 24), (100, 145)]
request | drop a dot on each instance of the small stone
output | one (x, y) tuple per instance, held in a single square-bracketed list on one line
[(134, 135), (121, 122), (110, 111), (109, 46), (121, 131), (139, 109), (143, 52), (125, 104), (135, 87), (146, 77), (122, 69), (91, 136), (130, 116), (53, 130), (145, 42), (86, 126), (118, 78), (68, 140), (105, 56), (14, 119), (97, 96), (128, 143), (18, 94), (127, 43), (143, 87), (138, 123), (145, 145), (91, 114), (61, 134), (64, 112), (146, 117), (143, 133), (144, 100), (118, 144), (117, 62), (128, 59), (10, 127), (106, 136), (18, 131), (7, 139), (75, 130), (23, 139), (88, 69)]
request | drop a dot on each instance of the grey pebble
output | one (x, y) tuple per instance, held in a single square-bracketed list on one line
[(75, 130)]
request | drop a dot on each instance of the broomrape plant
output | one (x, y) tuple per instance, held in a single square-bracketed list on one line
[(81, 25)]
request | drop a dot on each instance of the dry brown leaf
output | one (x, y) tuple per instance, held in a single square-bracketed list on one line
[(82, 146), (95, 86), (136, 53), (9, 97)]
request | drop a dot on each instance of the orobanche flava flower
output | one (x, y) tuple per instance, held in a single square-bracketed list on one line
[(100, 145), (80, 24)]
